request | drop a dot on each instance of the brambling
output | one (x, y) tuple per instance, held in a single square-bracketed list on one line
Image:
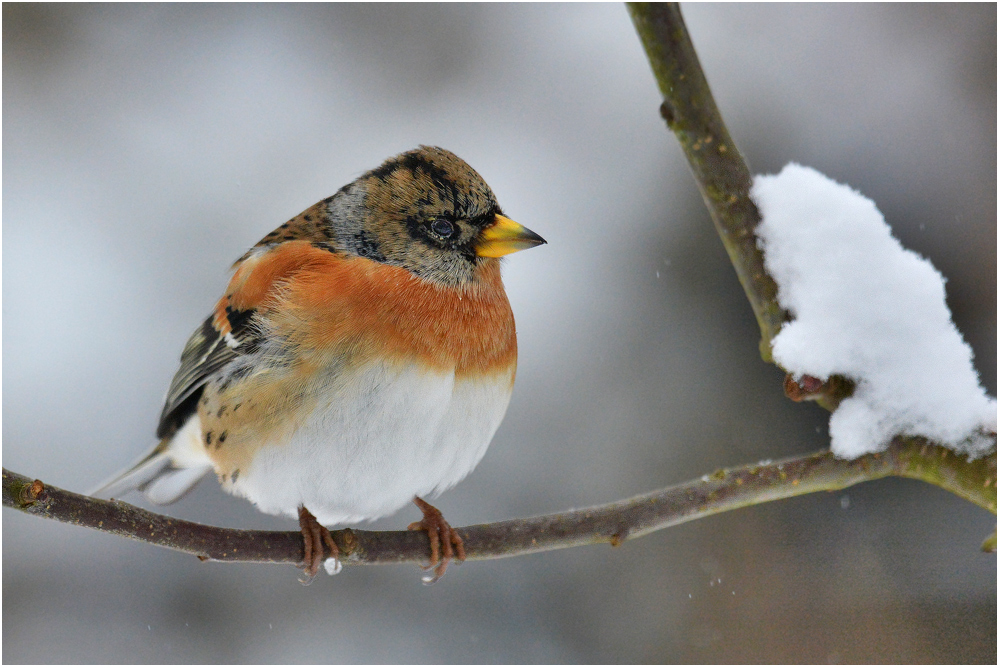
[(361, 358)]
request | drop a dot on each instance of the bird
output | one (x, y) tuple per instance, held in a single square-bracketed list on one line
[(361, 358)]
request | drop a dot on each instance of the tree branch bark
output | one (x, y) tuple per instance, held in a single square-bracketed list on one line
[(721, 491)]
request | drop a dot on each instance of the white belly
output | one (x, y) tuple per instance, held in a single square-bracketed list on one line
[(381, 437)]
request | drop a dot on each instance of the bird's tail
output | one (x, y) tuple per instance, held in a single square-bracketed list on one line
[(164, 474)]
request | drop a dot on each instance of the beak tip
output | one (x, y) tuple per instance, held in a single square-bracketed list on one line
[(504, 237), (531, 237)]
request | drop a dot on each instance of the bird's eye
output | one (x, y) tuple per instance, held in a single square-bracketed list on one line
[(442, 228)]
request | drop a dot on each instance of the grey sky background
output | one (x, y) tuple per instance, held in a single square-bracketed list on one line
[(146, 147)]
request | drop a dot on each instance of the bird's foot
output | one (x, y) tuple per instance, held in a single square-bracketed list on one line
[(314, 537), (445, 541)]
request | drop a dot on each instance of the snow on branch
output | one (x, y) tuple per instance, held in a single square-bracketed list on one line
[(857, 320), (865, 307)]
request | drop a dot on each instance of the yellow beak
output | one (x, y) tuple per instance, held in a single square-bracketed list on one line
[(504, 237)]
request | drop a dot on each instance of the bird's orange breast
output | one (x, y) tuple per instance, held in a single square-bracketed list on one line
[(332, 305)]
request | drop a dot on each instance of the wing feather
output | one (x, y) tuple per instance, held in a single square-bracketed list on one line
[(233, 330), (206, 353)]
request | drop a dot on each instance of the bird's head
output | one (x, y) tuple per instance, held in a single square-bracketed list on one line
[(429, 212)]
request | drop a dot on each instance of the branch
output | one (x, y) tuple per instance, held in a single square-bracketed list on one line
[(724, 490), (721, 173), (719, 170)]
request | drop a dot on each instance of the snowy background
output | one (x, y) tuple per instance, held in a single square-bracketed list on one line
[(146, 147)]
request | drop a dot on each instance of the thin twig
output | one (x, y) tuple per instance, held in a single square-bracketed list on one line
[(720, 171), (724, 490)]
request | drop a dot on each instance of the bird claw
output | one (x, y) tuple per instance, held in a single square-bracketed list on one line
[(442, 551), (314, 537)]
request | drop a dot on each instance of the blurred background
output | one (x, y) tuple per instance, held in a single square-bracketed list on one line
[(146, 147)]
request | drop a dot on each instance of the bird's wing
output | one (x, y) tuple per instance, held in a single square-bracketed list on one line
[(233, 330), (222, 338), (207, 351)]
